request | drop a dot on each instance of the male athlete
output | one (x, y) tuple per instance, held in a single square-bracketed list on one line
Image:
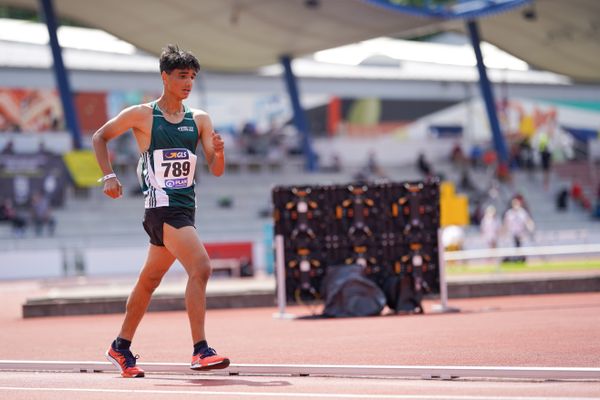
[(167, 133)]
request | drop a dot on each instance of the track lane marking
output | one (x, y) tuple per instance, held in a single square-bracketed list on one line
[(287, 394)]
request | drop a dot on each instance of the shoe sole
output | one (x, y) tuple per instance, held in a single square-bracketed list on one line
[(116, 364), (218, 365)]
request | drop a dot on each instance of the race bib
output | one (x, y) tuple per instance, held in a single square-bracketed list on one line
[(174, 168)]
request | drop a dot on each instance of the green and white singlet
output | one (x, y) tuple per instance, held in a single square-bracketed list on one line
[(167, 167)]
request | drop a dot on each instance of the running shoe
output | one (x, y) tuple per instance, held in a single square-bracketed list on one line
[(125, 361), (208, 359)]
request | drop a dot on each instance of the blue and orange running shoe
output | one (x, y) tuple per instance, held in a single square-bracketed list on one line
[(208, 359), (125, 361)]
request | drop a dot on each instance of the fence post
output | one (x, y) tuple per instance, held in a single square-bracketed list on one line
[(443, 307), (280, 275)]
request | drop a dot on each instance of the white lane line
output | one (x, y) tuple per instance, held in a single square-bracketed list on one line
[(287, 395), (424, 372)]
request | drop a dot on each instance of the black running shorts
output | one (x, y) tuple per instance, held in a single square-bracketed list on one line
[(177, 217)]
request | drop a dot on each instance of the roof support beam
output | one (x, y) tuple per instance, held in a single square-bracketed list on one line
[(60, 73), (299, 115), (488, 97)]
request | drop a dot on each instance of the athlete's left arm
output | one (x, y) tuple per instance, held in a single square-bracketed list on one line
[(212, 144)]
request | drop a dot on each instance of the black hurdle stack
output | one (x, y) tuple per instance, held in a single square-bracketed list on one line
[(390, 229)]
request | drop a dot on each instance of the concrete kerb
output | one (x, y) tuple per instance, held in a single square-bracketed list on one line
[(252, 295)]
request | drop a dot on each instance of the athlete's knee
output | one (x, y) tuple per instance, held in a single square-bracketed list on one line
[(150, 283), (200, 272)]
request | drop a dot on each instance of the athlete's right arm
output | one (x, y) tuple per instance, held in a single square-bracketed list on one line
[(127, 119)]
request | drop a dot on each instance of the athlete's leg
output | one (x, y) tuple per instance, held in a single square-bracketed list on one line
[(158, 262), (186, 246)]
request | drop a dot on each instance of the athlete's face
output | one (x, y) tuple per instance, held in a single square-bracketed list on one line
[(179, 82)]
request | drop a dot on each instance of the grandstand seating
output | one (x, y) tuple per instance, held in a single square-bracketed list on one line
[(97, 221)]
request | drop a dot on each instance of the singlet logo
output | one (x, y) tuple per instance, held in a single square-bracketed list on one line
[(176, 183), (175, 155), (185, 129)]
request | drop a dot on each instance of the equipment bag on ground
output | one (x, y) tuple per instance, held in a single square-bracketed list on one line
[(348, 293)]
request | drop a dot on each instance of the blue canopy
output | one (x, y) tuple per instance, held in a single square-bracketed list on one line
[(450, 9), (581, 134)]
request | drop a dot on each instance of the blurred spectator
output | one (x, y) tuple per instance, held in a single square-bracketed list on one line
[(514, 156), (8, 148), (41, 214), (490, 226), (335, 164), (579, 197), (466, 183), (476, 155), (518, 222), (576, 191), (225, 202), (522, 200), (477, 214), (248, 136), (373, 167), (9, 213), (424, 166), (457, 157), (546, 159), (5, 210), (503, 172), (562, 200), (526, 155), (596, 211), (249, 129), (489, 158)]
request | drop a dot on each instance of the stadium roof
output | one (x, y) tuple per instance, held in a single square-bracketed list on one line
[(555, 35), (235, 35), (24, 44)]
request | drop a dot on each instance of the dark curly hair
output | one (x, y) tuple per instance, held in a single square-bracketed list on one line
[(173, 58)]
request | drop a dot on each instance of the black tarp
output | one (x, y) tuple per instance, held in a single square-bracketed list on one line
[(348, 293)]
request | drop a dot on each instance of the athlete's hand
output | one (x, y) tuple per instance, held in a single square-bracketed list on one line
[(113, 188), (217, 143)]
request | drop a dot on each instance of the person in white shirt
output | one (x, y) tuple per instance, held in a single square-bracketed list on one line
[(490, 226), (518, 222)]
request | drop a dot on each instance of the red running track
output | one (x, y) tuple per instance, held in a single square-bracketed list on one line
[(542, 330)]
